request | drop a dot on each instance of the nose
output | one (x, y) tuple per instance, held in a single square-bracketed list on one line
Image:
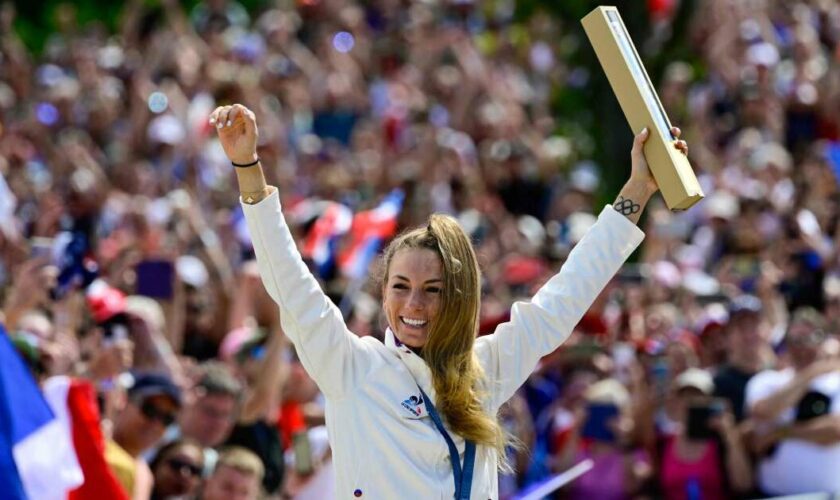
[(416, 301)]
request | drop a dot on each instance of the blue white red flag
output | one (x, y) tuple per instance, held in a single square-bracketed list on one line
[(37, 456), (321, 244), (370, 229)]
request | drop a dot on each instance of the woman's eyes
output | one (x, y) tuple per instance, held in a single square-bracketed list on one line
[(402, 286)]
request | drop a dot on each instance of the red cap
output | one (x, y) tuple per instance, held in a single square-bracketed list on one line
[(523, 270), (104, 301)]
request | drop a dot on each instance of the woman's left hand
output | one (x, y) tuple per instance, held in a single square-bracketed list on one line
[(640, 170)]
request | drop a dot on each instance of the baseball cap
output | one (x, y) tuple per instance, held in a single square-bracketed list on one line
[(745, 304), (695, 378), (154, 384), (522, 270), (722, 205), (609, 391), (713, 315), (104, 301)]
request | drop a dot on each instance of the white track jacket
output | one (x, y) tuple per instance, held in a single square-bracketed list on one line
[(384, 444)]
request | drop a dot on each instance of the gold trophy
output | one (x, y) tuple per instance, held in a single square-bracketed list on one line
[(641, 106)]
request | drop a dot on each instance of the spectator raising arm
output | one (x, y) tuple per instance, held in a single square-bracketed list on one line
[(823, 431), (265, 394), (772, 406), (738, 465)]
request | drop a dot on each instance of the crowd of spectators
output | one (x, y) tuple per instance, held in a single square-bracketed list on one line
[(709, 368)]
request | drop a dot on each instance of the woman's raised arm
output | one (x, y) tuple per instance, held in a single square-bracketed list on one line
[(331, 354), (538, 327)]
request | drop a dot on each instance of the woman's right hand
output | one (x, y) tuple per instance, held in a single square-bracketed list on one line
[(237, 129)]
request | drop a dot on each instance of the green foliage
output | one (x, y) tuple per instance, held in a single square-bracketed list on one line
[(38, 19), (590, 108)]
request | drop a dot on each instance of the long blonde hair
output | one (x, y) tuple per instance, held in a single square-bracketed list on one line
[(457, 375)]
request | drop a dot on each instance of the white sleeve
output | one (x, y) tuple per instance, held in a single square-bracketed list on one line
[(330, 353), (538, 327), (761, 386)]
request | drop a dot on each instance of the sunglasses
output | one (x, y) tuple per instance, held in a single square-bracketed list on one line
[(178, 465), (152, 412)]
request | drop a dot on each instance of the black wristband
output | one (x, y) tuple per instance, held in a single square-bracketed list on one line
[(245, 165)]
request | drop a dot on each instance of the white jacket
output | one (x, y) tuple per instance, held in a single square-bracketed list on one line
[(385, 446)]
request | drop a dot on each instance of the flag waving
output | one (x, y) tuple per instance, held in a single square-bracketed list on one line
[(322, 240), (369, 230), (37, 457)]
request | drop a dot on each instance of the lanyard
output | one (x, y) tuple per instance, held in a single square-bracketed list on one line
[(463, 477)]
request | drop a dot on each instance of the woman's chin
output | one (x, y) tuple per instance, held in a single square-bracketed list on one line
[(413, 339)]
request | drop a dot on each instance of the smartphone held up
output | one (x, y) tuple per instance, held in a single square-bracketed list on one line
[(700, 415)]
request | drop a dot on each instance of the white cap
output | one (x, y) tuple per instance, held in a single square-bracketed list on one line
[(608, 390), (697, 379), (722, 205)]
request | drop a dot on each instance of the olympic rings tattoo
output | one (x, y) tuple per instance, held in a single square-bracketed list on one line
[(626, 206)]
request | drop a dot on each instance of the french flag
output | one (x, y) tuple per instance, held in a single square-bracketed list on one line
[(51, 443), (321, 242), (74, 403), (369, 230), (37, 457)]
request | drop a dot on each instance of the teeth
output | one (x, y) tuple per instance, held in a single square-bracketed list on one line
[(414, 322)]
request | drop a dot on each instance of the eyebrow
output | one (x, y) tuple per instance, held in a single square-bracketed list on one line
[(433, 280)]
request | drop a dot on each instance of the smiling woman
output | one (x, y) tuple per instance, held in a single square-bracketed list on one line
[(416, 416), (431, 299)]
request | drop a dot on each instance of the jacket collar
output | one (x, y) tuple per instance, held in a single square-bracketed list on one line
[(415, 364)]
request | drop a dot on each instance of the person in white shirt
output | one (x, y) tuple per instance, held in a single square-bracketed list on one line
[(415, 417), (797, 414)]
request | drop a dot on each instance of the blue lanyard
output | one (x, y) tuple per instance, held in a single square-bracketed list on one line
[(463, 477)]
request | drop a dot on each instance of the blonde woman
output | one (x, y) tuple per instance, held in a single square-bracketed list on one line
[(415, 417)]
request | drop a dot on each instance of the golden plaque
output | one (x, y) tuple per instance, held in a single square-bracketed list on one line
[(641, 106)]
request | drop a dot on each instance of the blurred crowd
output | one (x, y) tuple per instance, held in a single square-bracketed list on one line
[(709, 368)]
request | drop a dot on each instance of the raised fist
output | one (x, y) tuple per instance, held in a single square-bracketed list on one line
[(237, 129)]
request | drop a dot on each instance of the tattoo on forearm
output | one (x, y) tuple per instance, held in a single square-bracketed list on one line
[(626, 206)]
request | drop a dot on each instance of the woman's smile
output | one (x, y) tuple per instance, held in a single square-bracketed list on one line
[(414, 323)]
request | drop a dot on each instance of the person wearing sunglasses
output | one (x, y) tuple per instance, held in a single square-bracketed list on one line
[(152, 404), (177, 469)]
